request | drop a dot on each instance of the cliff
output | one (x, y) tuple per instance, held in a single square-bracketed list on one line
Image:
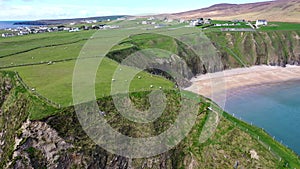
[(58, 141), (216, 51), (276, 48)]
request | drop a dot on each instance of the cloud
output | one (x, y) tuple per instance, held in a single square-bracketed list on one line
[(15, 10), (29, 12)]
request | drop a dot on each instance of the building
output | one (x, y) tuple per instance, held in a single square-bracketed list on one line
[(121, 19), (197, 22), (74, 30), (66, 29), (200, 21), (159, 26), (21, 33), (238, 20), (261, 23), (151, 19), (182, 21), (145, 22), (5, 35)]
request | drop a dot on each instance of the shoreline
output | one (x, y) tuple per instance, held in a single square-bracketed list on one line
[(220, 85)]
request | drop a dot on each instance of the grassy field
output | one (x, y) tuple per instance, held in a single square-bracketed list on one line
[(217, 28), (45, 54), (22, 44), (272, 26), (55, 81), (40, 49), (280, 26)]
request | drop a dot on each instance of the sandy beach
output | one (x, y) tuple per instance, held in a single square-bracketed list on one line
[(217, 85)]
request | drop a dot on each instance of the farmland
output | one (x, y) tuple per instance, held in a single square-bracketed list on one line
[(280, 26), (46, 61)]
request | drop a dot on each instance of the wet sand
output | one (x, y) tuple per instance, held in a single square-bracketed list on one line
[(218, 86)]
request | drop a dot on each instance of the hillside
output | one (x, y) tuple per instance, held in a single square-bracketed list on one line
[(278, 10), (39, 127), (240, 49), (59, 141), (67, 21), (234, 49)]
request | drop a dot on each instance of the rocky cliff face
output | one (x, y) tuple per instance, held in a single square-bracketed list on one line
[(276, 48)]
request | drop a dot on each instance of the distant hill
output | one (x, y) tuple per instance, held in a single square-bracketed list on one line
[(278, 10), (65, 21)]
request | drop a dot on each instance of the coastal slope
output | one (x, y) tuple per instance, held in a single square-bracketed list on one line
[(59, 141), (278, 10)]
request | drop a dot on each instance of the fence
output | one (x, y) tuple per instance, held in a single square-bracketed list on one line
[(256, 133), (36, 93)]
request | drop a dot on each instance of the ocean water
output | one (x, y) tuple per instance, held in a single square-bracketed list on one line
[(8, 24), (275, 108)]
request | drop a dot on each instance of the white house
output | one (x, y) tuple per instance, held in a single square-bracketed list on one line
[(197, 22), (151, 18), (261, 23), (74, 30), (121, 19), (21, 33), (144, 22), (181, 21), (207, 21), (4, 35), (67, 29)]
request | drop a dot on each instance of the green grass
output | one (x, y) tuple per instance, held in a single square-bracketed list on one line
[(280, 26), (146, 41), (219, 22), (217, 28), (231, 132), (46, 54), (18, 44), (121, 47), (55, 81), (272, 26), (286, 154)]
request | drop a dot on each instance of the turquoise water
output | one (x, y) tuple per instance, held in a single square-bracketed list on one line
[(276, 108)]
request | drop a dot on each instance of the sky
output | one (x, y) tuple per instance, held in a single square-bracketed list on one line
[(18, 10)]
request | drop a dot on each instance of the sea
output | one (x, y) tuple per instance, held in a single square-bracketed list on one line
[(275, 108), (9, 24)]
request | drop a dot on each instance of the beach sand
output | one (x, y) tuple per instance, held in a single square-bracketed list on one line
[(218, 86)]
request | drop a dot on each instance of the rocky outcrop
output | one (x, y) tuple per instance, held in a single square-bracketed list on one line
[(239, 49), (41, 147)]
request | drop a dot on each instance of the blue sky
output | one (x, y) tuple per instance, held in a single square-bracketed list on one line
[(57, 9)]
